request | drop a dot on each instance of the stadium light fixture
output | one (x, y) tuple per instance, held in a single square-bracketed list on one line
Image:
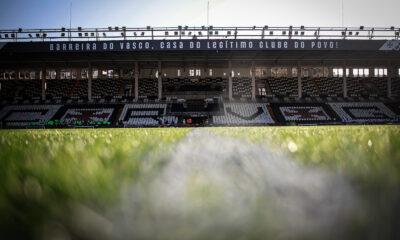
[(254, 27), (62, 35), (302, 27), (142, 33), (302, 33), (397, 33), (229, 33), (179, 27), (109, 28), (30, 35), (343, 33), (79, 28), (148, 28), (271, 32), (176, 33), (296, 33), (44, 35), (392, 28), (203, 27), (80, 34), (12, 35), (350, 33), (266, 27), (116, 28), (200, 33), (357, 33), (166, 33), (92, 34), (63, 29), (216, 32), (104, 34), (19, 30), (135, 34), (186, 27), (86, 34), (37, 35), (190, 33), (210, 27), (283, 32), (361, 27), (210, 32), (122, 34)]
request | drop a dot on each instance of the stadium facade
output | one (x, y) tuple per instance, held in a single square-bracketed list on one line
[(137, 77)]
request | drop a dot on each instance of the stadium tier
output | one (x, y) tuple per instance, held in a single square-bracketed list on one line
[(166, 76)]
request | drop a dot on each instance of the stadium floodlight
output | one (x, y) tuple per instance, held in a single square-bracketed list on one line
[(357, 33), (210, 33), (142, 33), (166, 33), (350, 33), (148, 28), (392, 28), (200, 33), (186, 27), (109, 28), (296, 33), (254, 27), (19, 29), (210, 27), (123, 28), (302, 33), (229, 33), (12, 35), (122, 34), (361, 27), (203, 27), (302, 27), (116, 28), (44, 35), (62, 35), (266, 27), (397, 33), (37, 35), (183, 33), (343, 33), (63, 29), (179, 27), (190, 33), (30, 35), (216, 32), (86, 34), (176, 33), (80, 34), (283, 32), (135, 34), (104, 34), (79, 28), (271, 32), (92, 34)]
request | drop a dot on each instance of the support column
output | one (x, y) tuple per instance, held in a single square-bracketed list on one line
[(391, 71), (136, 81), (43, 70), (253, 81), (90, 77), (344, 82), (230, 80), (159, 81), (299, 74)]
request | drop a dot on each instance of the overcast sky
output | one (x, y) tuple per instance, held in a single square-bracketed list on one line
[(141, 13)]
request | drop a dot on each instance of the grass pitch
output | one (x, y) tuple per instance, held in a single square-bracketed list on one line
[(46, 176)]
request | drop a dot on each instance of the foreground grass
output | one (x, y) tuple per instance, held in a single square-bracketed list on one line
[(43, 172), (368, 155)]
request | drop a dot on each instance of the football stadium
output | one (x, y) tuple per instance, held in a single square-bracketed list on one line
[(199, 132)]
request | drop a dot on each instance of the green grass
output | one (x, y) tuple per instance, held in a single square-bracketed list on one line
[(44, 172)]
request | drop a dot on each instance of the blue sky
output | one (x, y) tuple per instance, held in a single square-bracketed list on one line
[(140, 13)]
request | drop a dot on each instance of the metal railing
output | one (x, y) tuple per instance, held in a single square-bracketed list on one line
[(185, 32)]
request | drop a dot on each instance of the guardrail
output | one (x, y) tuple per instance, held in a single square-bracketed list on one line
[(203, 32)]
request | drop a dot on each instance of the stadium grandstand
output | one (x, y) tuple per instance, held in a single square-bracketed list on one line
[(199, 76)]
